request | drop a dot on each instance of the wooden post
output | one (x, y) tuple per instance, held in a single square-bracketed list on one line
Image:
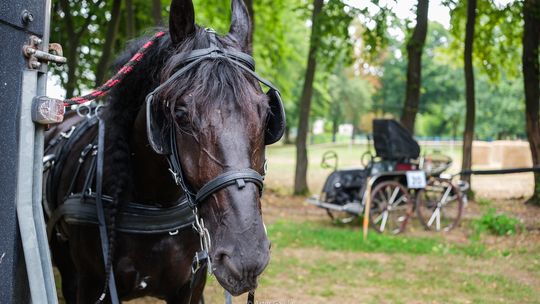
[(367, 207)]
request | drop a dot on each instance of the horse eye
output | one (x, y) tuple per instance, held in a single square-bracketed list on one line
[(181, 113)]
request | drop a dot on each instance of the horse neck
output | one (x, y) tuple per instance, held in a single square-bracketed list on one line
[(153, 182)]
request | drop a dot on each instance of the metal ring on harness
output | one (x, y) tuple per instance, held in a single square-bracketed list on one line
[(87, 111)]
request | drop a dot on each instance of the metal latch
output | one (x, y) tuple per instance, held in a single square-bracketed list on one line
[(36, 57)]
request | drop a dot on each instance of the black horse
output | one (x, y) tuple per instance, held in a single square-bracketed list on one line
[(215, 117)]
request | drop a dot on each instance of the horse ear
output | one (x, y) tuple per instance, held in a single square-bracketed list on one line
[(181, 20), (241, 25)]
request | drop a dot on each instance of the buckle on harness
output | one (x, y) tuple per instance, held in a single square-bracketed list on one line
[(175, 176), (204, 238), (199, 260)]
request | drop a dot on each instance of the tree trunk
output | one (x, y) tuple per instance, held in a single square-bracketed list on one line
[(112, 30), (72, 56), (130, 19), (468, 134), (415, 48), (355, 129), (287, 136), (156, 12), (335, 126), (300, 181), (531, 80)]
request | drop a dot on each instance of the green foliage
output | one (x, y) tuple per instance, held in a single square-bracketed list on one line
[(498, 33), (374, 29), (342, 97), (332, 36), (442, 103), (497, 223), (79, 20)]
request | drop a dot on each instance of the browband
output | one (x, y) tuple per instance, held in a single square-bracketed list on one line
[(242, 60)]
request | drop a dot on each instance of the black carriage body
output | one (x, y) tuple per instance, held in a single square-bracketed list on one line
[(345, 186), (393, 141)]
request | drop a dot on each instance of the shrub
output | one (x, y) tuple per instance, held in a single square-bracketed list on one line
[(497, 223)]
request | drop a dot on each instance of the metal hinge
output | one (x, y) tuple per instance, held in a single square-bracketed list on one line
[(37, 57)]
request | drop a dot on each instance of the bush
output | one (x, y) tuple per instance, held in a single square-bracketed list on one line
[(497, 223)]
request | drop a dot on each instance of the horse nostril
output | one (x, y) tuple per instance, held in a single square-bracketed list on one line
[(220, 256), (233, 268)]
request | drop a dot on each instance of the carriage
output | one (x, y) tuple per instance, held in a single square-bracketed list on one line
[(398, 180)]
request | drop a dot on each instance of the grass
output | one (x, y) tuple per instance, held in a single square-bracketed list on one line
[(314, 263), (309, 234)]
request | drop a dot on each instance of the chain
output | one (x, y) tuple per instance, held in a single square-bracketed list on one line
[(204, 236)]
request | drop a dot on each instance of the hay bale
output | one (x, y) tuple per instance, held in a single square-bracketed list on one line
[(501, 154), (481, 154), (514, 154)]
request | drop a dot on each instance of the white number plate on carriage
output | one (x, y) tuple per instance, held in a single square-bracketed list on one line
[(416, 179)]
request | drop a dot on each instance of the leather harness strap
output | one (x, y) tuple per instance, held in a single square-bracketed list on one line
[(80, 209), (229, 178), (103, 233)]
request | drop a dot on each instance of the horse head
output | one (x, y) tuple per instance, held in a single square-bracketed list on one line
[(211, 114)]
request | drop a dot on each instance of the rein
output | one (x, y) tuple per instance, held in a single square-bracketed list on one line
[(120, 75), (229, 178)]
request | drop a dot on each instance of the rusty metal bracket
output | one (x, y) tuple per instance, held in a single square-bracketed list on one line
[(36, 57)]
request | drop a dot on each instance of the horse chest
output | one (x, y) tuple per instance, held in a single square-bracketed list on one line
[(154, 266)]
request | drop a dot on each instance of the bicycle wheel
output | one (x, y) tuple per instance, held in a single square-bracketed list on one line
[(439, 205), (391, 207)]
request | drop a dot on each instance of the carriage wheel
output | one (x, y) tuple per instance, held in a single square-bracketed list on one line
[(439, 205), (391, 207)]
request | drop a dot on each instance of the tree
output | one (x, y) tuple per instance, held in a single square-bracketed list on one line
[(350, 97), (75, 18), (300, 181), (156, 13), (130, 19), (110, 39), (468, 134), (531, 80), (415, 47)]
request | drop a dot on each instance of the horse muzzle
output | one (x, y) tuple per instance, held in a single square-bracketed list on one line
[(237, 270)]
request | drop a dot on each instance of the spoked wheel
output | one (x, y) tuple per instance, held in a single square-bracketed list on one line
[(391, 207), (439, 205)]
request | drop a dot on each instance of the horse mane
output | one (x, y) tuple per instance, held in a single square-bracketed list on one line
[(123, 105)]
